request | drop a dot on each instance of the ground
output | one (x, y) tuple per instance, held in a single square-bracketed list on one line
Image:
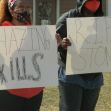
[(51, 97)]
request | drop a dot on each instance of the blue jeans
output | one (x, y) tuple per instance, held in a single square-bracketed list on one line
[(76, 98), (87, 83)]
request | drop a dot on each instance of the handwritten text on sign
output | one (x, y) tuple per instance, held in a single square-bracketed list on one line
[(28, 57), (91, 45)]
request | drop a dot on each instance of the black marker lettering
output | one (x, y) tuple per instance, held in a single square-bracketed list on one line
[(11, 69), (36, 65), (2, 76), (24, 66)]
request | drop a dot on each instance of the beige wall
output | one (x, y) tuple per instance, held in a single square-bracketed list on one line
[(65, 5)]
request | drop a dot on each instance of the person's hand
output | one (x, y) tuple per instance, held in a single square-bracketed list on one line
[(65, 42)]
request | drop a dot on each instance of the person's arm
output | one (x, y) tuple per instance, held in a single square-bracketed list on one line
[(61, 33), (62, 42)]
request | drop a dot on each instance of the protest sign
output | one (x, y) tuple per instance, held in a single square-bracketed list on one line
[(28, 57), (91, 45)]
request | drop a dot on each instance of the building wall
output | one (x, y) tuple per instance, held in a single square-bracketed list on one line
[(53, 13), (66, 5), (51, 9), (105, 6)]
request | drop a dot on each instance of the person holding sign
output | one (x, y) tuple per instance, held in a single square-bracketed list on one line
[(78, 92), (18, 13)]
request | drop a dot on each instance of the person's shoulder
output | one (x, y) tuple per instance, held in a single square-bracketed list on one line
[(6, 23), (72, 13), (63, 17), (66, 15)]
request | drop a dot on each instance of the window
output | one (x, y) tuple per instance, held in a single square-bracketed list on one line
[(48, 11)]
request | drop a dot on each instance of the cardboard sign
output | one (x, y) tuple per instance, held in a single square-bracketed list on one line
[(91, 45), (28, 57)]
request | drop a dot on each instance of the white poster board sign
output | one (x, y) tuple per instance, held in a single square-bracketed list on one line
[(28, 57), (91, 45)]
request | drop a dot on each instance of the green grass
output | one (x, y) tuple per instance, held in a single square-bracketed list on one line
[(104, 102), (51, 100), (51, 97)]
